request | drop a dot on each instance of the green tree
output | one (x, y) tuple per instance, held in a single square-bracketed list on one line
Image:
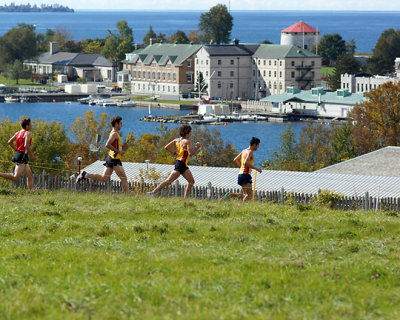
[(386, 50), (17, 44), (16, 71), (119, 43), (346, 63), (331, 47), (92, 45), (217, 24), (178, 37), (342, 147), (351, 46), (149, 35), (286, 158), (266, 42)]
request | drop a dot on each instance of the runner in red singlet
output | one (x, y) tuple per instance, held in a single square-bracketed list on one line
[(22, 147)]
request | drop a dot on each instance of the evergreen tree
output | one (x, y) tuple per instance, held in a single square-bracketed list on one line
[(200, 82), (179, 37), (149, 35), (331, 47), (346, 63), (217, 24)]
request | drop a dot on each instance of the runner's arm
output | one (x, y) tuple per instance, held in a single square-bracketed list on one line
[(169, 146), (237, 159), (11, 142), (190, 149), (248, 164), (27, 144)]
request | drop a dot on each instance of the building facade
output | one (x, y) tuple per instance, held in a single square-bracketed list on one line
[(92, 66), (162, 69), (226, 70), (362, 83), (277, 67)]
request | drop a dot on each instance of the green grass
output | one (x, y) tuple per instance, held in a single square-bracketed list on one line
[(80, 256), (327, 71), (5, 80)]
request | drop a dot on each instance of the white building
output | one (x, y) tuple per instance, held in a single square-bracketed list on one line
[(315, 102), (364, 82), (301, 35)]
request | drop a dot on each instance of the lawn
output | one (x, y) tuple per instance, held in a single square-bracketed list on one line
[(327, 71), (96, 256)]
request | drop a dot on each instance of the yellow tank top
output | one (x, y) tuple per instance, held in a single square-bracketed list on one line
[(117, 144), (243, 168), (182, 153)]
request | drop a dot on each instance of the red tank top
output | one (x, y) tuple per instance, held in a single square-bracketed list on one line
[(21, 141)]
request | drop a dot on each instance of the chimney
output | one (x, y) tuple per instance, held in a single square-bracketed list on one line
[(235, 42), (53, 47), (151, 41)]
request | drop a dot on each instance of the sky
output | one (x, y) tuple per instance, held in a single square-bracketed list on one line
[(364, 5)]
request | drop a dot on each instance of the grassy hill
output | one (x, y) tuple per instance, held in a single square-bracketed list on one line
[(96, 256)]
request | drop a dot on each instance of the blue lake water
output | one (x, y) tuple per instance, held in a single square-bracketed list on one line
[(237, 133), (364, 27)]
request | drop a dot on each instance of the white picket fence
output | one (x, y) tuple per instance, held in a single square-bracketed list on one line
[(366, 202)]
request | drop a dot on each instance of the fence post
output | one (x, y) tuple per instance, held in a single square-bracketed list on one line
[(209, 186), (282, 195), (176, 186), (366, 205)]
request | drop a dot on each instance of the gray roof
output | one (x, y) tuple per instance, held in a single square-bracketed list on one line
[(73, 59), (231, 49), (301, 182), (162, 52), (276, 51), (382, 162)]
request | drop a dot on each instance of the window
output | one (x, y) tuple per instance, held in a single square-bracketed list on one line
[(265, 62), (159, 76), (134, 74), (148, 75), (254, 73), (219, 85), (292, 63), (274, 85), (138, 86), (313, 63), (174, 89), (269, 73), (280, 63), (163, 76), (232, 73), (207, 73), (219, 73), (275, 63), (259, 61), (232, 62), (280, 74), (269, 85), (144, 75), (154, 76), (201, 61), (139, 74), (305, 46), (312, 74), (219, 62), (231, 85), (189, 77), (189, 63), (280, 85), (197, 61), (292, 74), (169, 76), (207, 62), (269, 62), (174, 76), (169, 89), (275, 74), (163, 88), (264, 73)]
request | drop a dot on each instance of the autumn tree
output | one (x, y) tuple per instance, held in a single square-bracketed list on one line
[(377, 119), (196, 37), (217, 24), (178, 37)]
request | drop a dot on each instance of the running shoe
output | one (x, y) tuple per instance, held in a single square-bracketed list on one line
[(226, 196)]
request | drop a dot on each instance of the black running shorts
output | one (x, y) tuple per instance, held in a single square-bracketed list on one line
[(244, 179), (180, 166), (111, 163), (20, 158)]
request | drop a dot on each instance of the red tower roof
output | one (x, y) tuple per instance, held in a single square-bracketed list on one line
[(300, 27)]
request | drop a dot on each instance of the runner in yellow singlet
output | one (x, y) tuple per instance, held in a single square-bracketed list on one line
[(183, 151), (245, 160), (113, 161)]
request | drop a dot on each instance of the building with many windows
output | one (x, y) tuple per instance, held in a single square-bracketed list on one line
[(162, 69), (253, 71), (364, 82)]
